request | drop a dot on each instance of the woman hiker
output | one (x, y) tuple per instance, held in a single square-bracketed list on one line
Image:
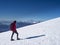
[(13, 29)]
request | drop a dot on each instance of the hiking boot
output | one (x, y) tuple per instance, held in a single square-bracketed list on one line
[(12, 39), (18, 38)]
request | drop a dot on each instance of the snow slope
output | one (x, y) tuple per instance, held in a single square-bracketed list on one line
[(45, 33)]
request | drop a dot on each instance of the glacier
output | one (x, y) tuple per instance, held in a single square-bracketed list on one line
[(45, 33)]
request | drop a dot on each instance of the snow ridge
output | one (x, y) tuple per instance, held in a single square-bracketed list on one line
[(45, 33)]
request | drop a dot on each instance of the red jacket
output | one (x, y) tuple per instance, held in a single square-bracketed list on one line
[(13, 27)]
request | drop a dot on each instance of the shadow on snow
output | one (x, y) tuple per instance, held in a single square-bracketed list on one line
[(34, 37)]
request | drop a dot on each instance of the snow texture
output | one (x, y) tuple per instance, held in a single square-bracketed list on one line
[(45, 33)]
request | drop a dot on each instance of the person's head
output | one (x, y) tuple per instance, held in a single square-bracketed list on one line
[(15, 21)]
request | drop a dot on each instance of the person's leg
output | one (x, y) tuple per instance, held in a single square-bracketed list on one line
[(17, 35), (12, 35)]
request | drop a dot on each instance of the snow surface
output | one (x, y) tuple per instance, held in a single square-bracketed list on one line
[(45, 33)]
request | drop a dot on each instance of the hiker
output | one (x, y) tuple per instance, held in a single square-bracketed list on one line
[(13, 29)]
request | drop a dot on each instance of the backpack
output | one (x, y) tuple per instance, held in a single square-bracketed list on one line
[(11, 26)]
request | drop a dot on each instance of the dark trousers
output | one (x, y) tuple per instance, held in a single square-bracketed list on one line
[(13, 34)]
